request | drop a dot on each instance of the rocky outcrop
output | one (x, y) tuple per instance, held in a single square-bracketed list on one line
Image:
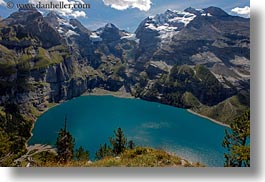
[(31, 23), (52, 59), (209, 37)]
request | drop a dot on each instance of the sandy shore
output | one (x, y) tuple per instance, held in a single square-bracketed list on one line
[(213, 120)]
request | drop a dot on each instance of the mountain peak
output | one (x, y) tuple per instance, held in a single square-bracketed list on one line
[(110, 26), (23, 16), (53, 19), (169, 11), (193, 11), (109, 32), (167, 23), (79, 26), (215, 11), (53, 14)]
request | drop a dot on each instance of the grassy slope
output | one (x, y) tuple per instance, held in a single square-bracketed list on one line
[(183, 87), (225, 111), (138, 157)]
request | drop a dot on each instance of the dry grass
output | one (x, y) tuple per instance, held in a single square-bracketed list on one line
[(138, 157)]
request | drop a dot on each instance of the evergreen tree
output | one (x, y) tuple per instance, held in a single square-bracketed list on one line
[(14, 133), (65, 145), (119, 142), (237, 142), (4, 145), (104, 151), (131, 145), (81, 154)]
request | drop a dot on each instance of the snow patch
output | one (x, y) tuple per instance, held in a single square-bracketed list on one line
[(206, 14), (168, 24), (70, 33), (63, 22), (95, 37), (109, 25), (65, 28), (60, 30), (129, 36)]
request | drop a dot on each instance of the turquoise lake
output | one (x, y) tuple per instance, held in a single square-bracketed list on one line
[(92, 120)]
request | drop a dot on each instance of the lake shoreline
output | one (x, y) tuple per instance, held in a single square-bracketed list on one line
[(101, 92), (95, 92), (155, 112), (124, 94), (119, 94), (35, 120), (206, 117)]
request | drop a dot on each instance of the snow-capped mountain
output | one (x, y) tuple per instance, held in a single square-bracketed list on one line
[(111, 33), (62, 25), (162, 27), (169, 55), (168, 24), (66, 28), (197, 36), (170, 21), (72, 32), (165, 25)]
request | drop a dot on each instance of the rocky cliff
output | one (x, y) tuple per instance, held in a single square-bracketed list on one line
[(193, 59)]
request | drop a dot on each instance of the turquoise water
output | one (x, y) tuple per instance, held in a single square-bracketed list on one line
[(92, 120)]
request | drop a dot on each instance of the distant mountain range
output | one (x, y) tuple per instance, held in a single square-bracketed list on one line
[(197, 59)]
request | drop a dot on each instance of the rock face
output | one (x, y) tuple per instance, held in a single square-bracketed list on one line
[(188, 59), (209, 37), (109, 33), (30, 23)]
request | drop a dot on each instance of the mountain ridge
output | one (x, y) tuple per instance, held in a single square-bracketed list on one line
[(117, 58), (197, 60)]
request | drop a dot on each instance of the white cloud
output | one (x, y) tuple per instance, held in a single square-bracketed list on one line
[(2, 2), (64, 12), (143, 5), (78, 14), (242, 11)]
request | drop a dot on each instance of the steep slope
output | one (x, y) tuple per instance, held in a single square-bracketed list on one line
[(173, 45), (37, 68), (62, 59), (28, 23), (64, 66), (162, 27), (196, 59), (73, 32), (209, 37), (138, 157)]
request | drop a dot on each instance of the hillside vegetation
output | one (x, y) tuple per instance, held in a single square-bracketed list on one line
[(138, 157), (204, 65)]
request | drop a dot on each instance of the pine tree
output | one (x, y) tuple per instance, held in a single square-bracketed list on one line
[(81, 154), (237, 143), (65, 145), (119, 142), (131, 145), (103, 151)]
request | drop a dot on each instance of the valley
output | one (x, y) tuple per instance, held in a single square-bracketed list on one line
[(192, 59)]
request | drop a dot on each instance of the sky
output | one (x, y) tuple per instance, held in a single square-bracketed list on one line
[(128, 14)]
